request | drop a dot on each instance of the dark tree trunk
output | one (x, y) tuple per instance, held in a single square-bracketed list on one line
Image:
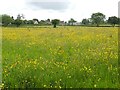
[(97, 25), (113, 25), (54, 26)]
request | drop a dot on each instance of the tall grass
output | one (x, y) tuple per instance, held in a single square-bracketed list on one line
[(64, 57)]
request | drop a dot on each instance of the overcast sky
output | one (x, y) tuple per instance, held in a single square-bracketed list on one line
[(60, 9)]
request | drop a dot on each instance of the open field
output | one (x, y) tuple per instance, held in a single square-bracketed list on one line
[(64, 57)]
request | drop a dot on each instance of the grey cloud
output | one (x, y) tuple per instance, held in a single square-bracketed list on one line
[(49, 4)]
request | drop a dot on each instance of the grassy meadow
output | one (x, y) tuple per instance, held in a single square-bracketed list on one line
[(63, 57)]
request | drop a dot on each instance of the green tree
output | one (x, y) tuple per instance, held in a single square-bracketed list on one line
[(97, 18), (18, 22), (113, 20), (71, 21), (55, 22), (30, 22), (85, 21), (6, 20), (25, 22)]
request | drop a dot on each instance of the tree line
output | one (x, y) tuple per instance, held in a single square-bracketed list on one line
[(96, 19)]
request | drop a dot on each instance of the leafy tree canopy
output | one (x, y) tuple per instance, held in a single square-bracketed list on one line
[(6, 20), (55, 22), (113, 20), (97, 18)]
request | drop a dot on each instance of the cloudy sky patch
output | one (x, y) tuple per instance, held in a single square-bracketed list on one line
[(58, 5), (60, 9)]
